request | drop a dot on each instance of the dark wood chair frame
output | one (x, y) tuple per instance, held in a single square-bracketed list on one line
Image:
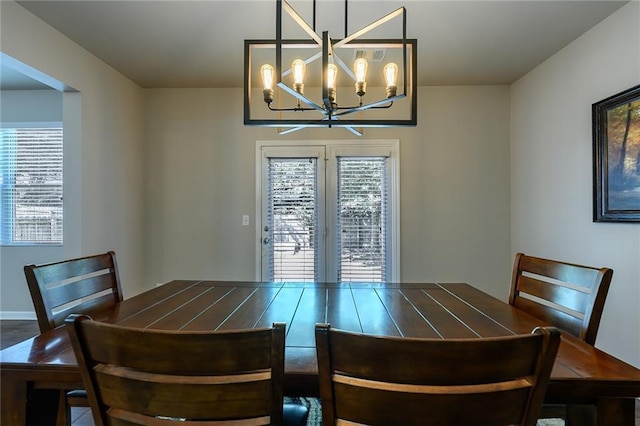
[(381, 380), (139, 376), (568, 296), (82, 285)]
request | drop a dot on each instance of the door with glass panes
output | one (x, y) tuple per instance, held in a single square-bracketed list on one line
[(327, 213)]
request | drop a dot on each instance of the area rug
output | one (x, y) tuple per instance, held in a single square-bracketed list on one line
[(315, 412), (313, 404)]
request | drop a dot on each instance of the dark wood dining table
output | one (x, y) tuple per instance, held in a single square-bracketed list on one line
[(582, 374)]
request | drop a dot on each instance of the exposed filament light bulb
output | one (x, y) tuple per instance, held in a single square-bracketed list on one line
[(391, 76), (266, 71), (332, 77), (360, 68), (299, 67)]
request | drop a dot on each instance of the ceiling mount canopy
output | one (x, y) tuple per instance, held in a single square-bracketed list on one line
[(352, 83)]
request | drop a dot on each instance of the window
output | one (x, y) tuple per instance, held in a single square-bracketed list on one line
[(291, 212), (328, 212), (31, 185), (361, 225)]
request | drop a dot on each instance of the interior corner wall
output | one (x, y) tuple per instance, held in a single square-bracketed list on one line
[(551, 168), (103, 179)]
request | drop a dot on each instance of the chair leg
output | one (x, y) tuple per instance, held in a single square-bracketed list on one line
[(580, 415), (64, 411)]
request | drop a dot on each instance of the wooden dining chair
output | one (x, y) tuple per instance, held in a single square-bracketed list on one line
[(380, 380), (84, 285), (152, 377), (568, 296)]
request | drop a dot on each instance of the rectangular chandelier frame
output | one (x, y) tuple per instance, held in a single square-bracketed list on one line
[(330, 117)]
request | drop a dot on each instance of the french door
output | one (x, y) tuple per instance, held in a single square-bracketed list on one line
[(327, 212)]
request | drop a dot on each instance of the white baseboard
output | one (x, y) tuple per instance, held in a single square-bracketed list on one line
[(17, 315)]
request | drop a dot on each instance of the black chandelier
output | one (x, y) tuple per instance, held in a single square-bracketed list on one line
[(383, 77)]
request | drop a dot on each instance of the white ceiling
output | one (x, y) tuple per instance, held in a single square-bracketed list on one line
[(186, 43)]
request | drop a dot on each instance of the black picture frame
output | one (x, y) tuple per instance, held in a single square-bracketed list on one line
[(616, 157)]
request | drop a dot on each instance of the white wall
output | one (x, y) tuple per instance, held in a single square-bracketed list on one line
[(103, 173), (41, 106), (551, 168), (454, 185)]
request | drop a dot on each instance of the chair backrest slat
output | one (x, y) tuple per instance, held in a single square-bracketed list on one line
[(440, 352), (234, 376), (561, 296), (85, 285), (74, 268), (561, 271), (566, 295), (381, 380), (90, 307), (70, 291)]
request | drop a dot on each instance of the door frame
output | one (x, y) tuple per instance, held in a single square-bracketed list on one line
[(297, 151)]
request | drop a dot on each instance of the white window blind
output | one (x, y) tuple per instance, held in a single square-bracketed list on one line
[(362, 209), (292, 219), (31, 186)]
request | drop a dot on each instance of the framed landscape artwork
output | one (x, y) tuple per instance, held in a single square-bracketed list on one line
[(616, 157)]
